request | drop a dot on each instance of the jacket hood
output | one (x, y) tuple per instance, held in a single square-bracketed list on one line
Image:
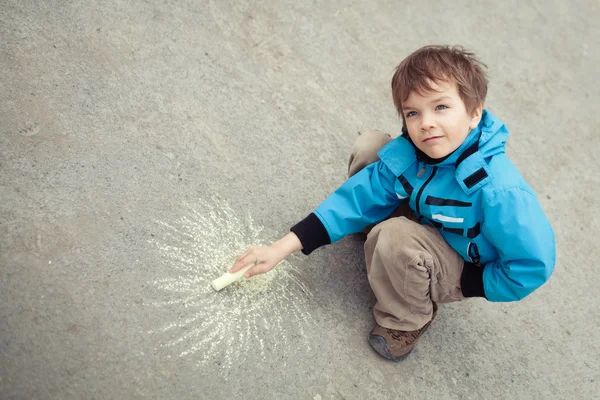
[(491, 135)]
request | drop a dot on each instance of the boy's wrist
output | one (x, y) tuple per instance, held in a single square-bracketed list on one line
[(287, 245)]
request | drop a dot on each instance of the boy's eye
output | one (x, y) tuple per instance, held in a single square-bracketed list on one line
[(411, 114), (441, 107)]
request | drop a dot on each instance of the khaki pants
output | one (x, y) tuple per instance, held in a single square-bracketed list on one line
[(409, 265)]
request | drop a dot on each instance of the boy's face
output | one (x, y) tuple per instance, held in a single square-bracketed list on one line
[(438, 121)]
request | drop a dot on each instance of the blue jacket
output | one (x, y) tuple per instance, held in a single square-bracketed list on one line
[(477, 199)]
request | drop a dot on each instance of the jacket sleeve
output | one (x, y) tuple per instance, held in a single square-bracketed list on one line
[(364, 199), (516, 225)]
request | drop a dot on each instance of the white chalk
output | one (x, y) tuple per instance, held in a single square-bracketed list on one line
[(228, 278)]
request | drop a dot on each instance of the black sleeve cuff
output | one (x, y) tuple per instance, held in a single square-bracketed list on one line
[(312, 233), (471, 280)]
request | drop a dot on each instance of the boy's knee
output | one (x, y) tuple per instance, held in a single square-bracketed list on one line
[(371, 142), (374, 134), (393, 234), (364, 151)]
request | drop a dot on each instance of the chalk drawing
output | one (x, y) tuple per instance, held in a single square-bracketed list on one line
[(268, 312)]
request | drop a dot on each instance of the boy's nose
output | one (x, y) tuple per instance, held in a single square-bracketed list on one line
[(427, 123)]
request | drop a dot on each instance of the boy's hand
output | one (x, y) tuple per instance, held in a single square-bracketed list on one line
[(265, 258)]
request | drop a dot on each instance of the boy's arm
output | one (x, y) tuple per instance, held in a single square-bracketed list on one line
[(516, 225), (364, 199)]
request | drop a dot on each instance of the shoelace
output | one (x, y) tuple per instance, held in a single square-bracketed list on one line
[(398, 335)]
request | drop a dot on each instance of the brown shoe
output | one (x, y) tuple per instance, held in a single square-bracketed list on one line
[(396, 345)]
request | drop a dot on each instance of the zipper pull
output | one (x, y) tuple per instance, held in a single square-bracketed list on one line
[(422, 171)]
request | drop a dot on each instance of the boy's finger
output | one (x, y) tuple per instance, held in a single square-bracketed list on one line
[(239, 262), (251, 272), (259, 269), (243, 255), (237, 266), (243, 263)]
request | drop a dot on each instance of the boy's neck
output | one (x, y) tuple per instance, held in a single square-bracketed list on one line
[(421, 156)]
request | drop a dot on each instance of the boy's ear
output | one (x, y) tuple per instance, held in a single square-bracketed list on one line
[(476, 116)]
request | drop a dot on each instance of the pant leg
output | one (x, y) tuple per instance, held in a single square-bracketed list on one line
[(409, 266)]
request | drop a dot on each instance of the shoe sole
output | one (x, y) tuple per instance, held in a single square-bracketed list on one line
[(380, 346)]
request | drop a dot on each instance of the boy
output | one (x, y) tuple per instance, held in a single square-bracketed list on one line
[(469, 224)]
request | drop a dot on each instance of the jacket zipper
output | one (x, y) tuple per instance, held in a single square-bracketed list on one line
[(422, 170), (423, 188)]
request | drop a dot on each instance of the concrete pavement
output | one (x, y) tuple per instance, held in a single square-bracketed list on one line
[(145, 144)]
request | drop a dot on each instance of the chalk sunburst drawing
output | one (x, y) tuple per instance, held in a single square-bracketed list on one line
[(216, 327)]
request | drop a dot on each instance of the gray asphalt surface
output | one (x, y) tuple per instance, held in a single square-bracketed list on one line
[(144, 144)]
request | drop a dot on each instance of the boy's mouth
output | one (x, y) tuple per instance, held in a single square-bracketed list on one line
[(431, 139)]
